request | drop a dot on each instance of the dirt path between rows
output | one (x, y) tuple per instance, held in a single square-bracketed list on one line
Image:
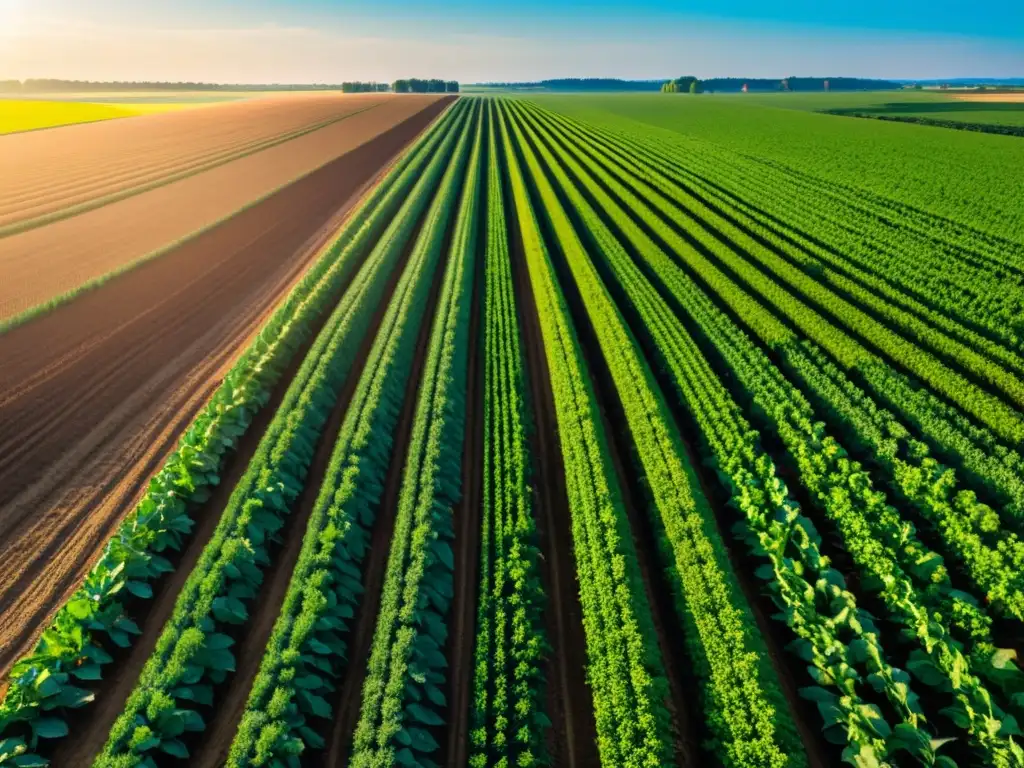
[(348, 701), (573, 738), (462, 635), (686, 728), (94, 395)]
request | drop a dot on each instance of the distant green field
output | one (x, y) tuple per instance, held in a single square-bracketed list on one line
[(899, 105), (969, 177)]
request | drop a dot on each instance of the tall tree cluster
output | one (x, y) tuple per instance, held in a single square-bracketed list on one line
[(414, 85)]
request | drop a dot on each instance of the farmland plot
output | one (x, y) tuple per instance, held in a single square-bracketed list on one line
[(610, 449)]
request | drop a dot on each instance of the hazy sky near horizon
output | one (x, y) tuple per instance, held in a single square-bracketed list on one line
[(251, 41)]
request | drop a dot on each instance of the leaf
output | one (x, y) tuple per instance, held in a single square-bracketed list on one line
[(423, 715), (88, 672), (229, 610), (47, 685), (139, 589), (405, 756), (924, 670), (308, 682), (30, 761), (49, 728), (316, 704), (175, 748), (422, 741), (444, 554)]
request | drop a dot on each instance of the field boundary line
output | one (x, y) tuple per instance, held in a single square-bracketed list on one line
[(16, 228), (49, 305)]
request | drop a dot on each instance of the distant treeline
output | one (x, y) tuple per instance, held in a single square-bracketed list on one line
[(364, 87), (413, 85), (720, 84), (76, 86), (730, 84), (582, 84)]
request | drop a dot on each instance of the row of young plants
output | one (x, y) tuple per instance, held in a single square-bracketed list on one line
[(995, 362), (744, 705), (967, 286), (507, 711), (983, 459), (193, 653), (936, 280), (757, 264), (289, 706), (624, 667), (988, 463), (971, 532), (74, 649), (911, 580), (403, 703), (834, 635)]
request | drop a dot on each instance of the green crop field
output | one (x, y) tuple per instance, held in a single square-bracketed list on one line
[(639, 430)]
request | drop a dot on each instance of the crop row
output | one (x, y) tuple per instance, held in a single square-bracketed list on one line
[(624, 669), (75, 647), (911, 580), (403, 699), (193, 652), (839, 639), (982, 458), (986, 463), (290, 702), (746, 709), (507, 715), (969, 287)]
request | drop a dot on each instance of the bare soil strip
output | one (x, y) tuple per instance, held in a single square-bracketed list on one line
[(43, 263), (347, 703), (573, 737), (461, 629), (125, 368)]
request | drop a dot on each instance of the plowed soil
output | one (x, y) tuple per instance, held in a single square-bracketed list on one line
[(47, 261), (50, 170), (95, 394)]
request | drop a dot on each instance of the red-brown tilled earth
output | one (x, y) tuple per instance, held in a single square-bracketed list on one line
[(94, 394)]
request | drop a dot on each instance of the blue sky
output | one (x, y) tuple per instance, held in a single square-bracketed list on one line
[(327, 40)]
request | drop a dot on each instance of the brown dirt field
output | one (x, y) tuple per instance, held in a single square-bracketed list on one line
[(995, 98), (94, 394), (51, 170), (42, 263)]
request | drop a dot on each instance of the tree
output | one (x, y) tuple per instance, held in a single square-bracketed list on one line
[(452, 86), (401, 86), (695, 87)]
